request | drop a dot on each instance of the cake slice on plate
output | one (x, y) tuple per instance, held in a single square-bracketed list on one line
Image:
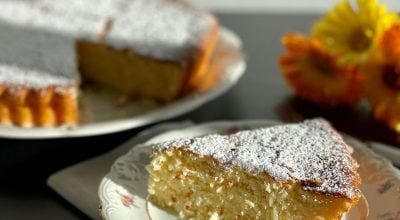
[(293, 171)]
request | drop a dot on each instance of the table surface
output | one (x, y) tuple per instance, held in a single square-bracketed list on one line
[(260, 94)]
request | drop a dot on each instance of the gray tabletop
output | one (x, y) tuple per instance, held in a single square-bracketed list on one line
[(260, 94)]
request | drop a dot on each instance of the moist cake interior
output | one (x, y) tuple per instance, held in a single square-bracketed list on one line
[(233, 194), (130, 74)]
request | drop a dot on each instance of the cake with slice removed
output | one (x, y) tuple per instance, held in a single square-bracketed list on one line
[(293, 171), (147, 49)]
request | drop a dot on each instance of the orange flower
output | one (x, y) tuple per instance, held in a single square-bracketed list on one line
[(382, 80), (382, 90), (315, 75), (390, 43)]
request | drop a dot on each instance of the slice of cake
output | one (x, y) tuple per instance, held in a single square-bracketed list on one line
[(147, 49), (294, 171)]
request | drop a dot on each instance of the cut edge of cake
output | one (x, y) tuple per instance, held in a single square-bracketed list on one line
[(179, 78)]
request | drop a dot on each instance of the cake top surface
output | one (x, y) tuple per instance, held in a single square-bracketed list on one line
[(35, 58), (38, 36), (163, 29), (310, 152)]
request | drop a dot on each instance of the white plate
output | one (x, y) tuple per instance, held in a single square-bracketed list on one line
[(101, 115), (123, 191)]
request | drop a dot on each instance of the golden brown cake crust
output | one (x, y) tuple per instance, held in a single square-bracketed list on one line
[(199, 77), (29, 107)]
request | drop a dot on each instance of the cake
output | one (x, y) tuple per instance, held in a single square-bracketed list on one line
[(145, 49), (293, 171)]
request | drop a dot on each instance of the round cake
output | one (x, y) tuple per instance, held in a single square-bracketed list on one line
[(149, 49)]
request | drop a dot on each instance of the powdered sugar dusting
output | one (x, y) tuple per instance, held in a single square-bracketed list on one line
[(38, 36), (35, 58), (167, 30), (310, 152), (163, 29)]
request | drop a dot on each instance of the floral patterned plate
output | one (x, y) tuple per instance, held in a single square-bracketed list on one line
[(123, 191)]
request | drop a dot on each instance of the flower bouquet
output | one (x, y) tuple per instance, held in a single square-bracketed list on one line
[(352, 52)]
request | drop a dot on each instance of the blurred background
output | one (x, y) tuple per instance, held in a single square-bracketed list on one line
[(277, 6)]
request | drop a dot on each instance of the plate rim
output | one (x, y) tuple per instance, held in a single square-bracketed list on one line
[(226, 123), (233, 73)]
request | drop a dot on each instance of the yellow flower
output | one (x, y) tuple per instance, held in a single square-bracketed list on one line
[(382, 80), (315, 75), (353, 31)]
